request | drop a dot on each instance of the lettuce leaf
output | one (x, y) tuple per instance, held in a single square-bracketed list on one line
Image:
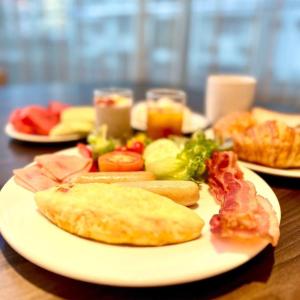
[(186, 164)]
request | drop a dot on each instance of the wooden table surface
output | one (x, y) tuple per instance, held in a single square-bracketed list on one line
[(272, 274)]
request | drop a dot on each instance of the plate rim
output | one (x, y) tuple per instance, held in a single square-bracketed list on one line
[(12, 133), (142, 127), (271, 171), (194, 276)]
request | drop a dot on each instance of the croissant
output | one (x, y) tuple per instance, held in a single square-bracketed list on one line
[(271, 143), (233, 123)]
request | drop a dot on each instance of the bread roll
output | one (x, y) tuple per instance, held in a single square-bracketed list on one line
[(111, 177), (182, 192)]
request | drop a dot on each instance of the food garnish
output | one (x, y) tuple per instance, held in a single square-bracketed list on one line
[(118, 161), (100, 143), (165, 159)]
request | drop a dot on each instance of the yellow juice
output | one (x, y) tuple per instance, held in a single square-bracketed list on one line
[(164, 121)]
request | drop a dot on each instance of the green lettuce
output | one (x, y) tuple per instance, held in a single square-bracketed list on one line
[(99, 142), (187, 163)]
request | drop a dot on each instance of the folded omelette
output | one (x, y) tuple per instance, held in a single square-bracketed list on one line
[(118, 215)]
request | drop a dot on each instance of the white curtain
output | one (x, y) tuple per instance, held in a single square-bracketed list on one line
[(169, 42)]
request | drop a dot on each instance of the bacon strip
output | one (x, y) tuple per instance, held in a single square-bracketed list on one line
[(243, 213), (223, 169)]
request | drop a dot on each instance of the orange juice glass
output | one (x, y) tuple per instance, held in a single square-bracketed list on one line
[(165, 109)]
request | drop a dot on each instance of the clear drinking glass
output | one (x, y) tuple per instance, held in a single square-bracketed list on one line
[(113, 108), (165, 108)]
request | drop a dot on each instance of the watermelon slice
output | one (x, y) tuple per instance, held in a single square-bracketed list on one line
[(16, 120), (39, 118), (56, 107), (36, 119)]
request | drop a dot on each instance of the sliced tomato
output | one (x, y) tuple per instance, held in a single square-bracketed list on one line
[(137, 147), (118, 161)]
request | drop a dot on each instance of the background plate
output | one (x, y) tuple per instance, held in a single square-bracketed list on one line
[(295, 173), (11, 132), (192, 122)]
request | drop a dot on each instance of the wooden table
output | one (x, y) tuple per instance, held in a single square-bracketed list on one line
[(272, 274)]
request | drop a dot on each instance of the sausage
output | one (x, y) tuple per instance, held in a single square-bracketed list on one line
[(111, 177), (183, 192)]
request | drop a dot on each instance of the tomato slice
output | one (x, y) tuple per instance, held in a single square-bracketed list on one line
[(118, 161), (137, 147)]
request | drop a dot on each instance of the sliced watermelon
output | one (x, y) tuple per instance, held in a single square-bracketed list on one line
[(36, 119), (39, 118), (16, 120), (56, 107)]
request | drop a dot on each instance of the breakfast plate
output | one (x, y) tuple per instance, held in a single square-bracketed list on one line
[(192, 120), (46, 245), (35, 138)]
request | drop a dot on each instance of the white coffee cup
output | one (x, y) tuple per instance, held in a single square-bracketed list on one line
[(228, 93)]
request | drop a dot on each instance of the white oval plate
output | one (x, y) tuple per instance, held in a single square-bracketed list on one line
[(191, 123), (56, 250), (35, 138)]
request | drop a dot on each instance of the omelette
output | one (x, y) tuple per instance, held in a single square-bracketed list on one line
[(118, 215)]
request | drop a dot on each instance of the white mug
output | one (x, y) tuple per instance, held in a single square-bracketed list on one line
[(228, 93)]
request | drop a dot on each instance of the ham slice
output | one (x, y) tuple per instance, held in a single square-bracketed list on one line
[(50, 170), (32, 178), (243, 213), (63, 166)]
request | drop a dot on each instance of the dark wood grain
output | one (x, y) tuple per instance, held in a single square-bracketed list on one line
[(272, 274)]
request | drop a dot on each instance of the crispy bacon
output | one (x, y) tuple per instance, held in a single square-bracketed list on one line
[(243, 213), (223, 171)]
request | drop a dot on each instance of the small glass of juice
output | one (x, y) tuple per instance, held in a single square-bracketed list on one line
[(165, 108), (113, 108)]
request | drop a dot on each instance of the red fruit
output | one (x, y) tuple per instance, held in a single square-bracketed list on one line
[(39, 118), (137, 147), (121, 148), (106, 101), (17, 122), (56, 107)]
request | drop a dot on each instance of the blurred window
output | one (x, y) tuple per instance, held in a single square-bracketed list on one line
[(170, 42)]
